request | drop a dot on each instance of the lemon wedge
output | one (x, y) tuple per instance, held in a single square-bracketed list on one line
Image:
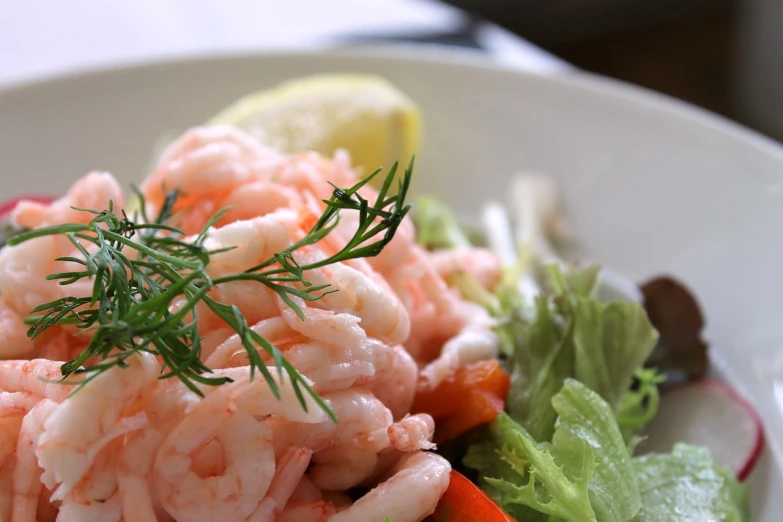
[(364, 114)]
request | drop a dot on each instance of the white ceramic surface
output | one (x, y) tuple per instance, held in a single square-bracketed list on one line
[(653, 185)]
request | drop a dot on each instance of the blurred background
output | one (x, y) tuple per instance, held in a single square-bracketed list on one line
[(719, 54), (723, 55)]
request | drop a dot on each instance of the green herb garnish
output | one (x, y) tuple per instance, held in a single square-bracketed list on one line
[(140, 268)]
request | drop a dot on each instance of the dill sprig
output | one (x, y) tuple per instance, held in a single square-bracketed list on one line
[(148, 281)]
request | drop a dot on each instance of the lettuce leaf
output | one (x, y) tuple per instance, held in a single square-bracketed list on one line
[(574, 336), (562, 479), (436, 226), (686, 485)]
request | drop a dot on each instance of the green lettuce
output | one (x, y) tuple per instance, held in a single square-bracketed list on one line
[(562, 479), (686, 485), (574, 336), (436, 226)]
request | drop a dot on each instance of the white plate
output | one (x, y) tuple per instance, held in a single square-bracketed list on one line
[(652, 184)]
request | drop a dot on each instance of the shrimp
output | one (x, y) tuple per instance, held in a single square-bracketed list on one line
[(257, 199), (249, 457), (366, 296), (6, 489), (311, 172), (206, 164), (95, 497), (398, 388), (86, 422), (412, 433), (333, 368), (13, 407), (352, 454), (24, 269), (476, 342), (255, 300), (27, 473), (135, 463), (289, 471), (96, 190), (481, 263), (37, 377), (314, 511), (232, 353), (227, 415), (410, 495), (250, 242), (13, 335), (339, 329)]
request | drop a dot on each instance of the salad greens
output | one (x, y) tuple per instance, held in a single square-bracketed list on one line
[(582, 388)]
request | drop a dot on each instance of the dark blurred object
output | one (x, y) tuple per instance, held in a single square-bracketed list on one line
[(552, 22), (684, 48), (674, 312)]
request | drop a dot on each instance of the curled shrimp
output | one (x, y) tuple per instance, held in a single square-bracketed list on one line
[(339, 329), (27, 473), (476, 341), (352, 454), (93, 191), (250, 242), (228, 414), (257, 198), (481, 263), (95, 498), (368, 297), (249, 457), (410, 495), (135, 463), (231, 352), (13, 408), (38, 377), (289, 471), (206, 164), (86, 422), (398, 387), (24, 269), (13, 335), (333, 367)]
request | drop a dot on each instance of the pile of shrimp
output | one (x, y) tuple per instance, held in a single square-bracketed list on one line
[(131, 446)]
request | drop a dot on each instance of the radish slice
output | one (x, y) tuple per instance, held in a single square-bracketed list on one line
[(708, 413)]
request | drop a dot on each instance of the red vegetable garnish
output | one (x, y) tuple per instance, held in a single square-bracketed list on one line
[(472, 395), (463, 501)]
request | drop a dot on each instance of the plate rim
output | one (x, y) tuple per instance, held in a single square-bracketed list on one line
[(436, 55)]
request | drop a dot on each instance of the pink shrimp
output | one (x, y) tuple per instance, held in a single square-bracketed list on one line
[(352, 454), (410, 495), (135, 463), (105, 408), (481, 263), (24, 269), (27, 473), (38, 377), (13, 335), (206, 164), (289, 471), (95, 190), (397, 389)]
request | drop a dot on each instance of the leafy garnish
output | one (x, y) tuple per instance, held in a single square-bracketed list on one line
[(687, 485), (574, 336), (436, 226), (147, 283), (585, 474)]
